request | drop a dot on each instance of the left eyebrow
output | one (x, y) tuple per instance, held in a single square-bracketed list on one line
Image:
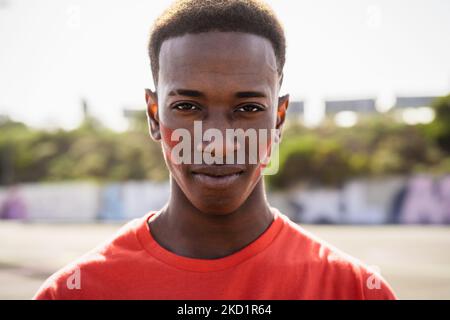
[(250, 94)]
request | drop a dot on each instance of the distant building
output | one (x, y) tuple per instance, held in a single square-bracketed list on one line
[(346, 113), (333, 107), (414, 110), (295, 110), (296, 107), (413, 102)]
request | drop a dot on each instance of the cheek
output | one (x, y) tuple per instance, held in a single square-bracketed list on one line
[(168, 144), (177, 170), (166, 134), (265, 148), (264, 154)]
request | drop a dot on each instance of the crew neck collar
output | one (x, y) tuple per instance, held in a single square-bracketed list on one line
[(149, 243)]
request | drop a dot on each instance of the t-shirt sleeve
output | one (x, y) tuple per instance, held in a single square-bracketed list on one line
[(45, 293), (375, 287), (60, 286)]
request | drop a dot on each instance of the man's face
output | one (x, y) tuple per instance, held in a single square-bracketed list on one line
[(226, 80)]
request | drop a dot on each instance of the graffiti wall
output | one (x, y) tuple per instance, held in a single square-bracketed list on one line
[(81, 202), (414, 200)]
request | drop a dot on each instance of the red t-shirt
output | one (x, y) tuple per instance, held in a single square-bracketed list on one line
[(284, 262)]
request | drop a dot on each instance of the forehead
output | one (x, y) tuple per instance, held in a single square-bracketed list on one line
[(227, 58)]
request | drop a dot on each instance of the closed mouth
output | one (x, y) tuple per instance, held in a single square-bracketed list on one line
[(218, 176), (222, 177), (217, 171)]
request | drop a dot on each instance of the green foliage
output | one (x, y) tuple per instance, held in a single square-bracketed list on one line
[(377, 146), (438, 131), (90, 152)]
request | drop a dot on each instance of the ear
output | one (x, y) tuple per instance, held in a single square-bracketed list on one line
[(151, 99), (283, 103)]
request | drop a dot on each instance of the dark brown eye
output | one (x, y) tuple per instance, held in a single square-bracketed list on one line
[(186, 107), (250, 108)]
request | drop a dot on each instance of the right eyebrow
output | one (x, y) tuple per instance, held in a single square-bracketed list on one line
[(187, 93)]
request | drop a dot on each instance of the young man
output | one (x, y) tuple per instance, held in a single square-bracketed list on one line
[(218, 63)]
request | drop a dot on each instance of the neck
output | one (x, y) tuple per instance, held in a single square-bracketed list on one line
[(187, 231)]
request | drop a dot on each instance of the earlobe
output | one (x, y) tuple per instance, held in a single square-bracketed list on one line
[(152, 114)]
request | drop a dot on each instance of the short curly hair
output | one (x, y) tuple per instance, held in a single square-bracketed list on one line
[(197, 16)]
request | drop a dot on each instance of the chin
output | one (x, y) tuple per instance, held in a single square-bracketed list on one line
[(218, 207), (215, 196)]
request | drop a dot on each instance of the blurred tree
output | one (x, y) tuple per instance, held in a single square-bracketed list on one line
[(89, 152), (330, 155), (439, 129)]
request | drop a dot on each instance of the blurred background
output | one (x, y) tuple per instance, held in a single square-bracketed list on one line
[(364, 160)]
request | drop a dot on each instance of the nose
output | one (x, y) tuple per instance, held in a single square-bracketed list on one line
[(215, 140), (218, 145)]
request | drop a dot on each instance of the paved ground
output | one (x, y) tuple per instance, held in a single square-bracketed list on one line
[(414, 260)]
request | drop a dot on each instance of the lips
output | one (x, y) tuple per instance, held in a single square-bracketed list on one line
[(217, 176), (218, 170)]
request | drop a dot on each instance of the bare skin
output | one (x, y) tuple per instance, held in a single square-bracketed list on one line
[(226, 80)]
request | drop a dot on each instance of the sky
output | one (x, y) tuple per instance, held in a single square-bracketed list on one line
[(53, 53)]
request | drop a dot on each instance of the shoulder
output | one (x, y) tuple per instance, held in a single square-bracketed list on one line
[(94, 267), (329, 267)]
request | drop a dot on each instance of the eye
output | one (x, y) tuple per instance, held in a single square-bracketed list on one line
[(186, 106), (250, 108)]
